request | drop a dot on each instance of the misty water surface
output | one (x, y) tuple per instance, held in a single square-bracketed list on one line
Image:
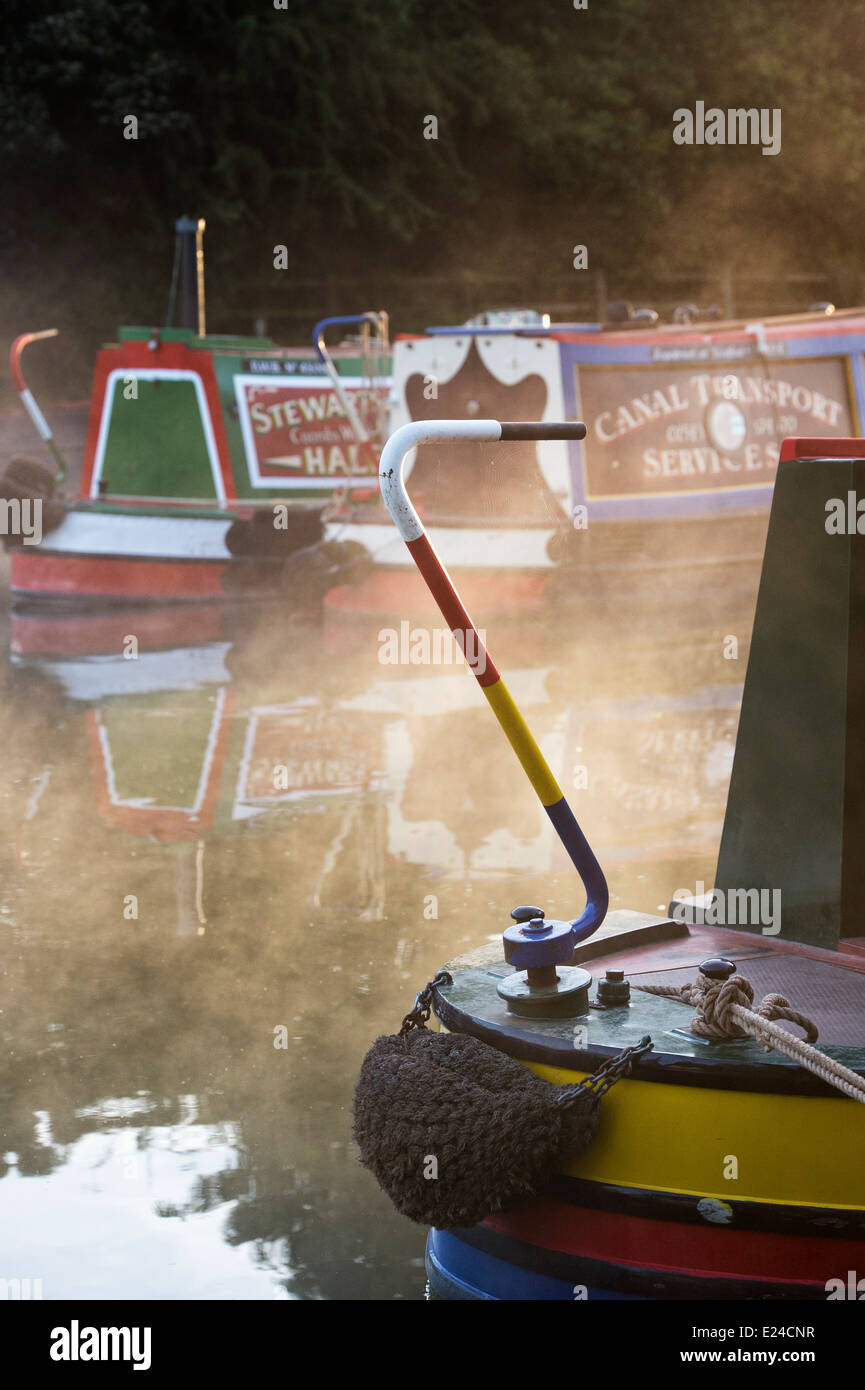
[(167, 913)]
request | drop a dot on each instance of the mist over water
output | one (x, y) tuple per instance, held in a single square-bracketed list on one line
[(154, 1142)]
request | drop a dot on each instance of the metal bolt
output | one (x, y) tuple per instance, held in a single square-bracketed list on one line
[(614, 989)]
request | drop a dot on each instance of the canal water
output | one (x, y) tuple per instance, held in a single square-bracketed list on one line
[(230, 861)]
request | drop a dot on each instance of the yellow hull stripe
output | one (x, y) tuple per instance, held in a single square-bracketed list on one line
[(799, 1150), (520, 738)]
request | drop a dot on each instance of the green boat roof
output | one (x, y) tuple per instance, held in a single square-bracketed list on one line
[(213, 341)]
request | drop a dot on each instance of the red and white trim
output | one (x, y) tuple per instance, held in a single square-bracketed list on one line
[(112, 555), (125, 374), (138, 359)]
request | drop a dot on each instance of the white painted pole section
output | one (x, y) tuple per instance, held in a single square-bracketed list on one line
[(35, 414), (396, 499), (345, 401), (341, 394)]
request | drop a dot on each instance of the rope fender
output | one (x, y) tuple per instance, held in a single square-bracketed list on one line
[(454, 1130)]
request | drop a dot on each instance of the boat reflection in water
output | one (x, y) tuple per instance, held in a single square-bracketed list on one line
[(224, 874)]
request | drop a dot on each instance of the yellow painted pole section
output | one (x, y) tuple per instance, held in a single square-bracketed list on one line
[(520, 738)]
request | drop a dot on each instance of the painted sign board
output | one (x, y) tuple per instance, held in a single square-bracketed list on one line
[(296, 433), (300, 750), (649, 432)]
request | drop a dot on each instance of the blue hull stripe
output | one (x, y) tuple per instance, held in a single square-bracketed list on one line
[(460, 1272)]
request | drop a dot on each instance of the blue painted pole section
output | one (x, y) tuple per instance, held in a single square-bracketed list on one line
[(582, 857), (323, 324)]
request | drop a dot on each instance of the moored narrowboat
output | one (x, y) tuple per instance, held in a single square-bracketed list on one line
[(209, 461), (684, 425)]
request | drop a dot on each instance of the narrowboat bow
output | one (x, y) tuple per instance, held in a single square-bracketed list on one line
[(728, 1160)]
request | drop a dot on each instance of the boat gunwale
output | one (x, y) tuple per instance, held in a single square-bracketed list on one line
[(783, 1077)]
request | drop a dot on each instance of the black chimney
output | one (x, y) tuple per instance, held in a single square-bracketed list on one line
[(189, 270)]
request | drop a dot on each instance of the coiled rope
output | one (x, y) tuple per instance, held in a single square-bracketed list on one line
[(723, 1010)]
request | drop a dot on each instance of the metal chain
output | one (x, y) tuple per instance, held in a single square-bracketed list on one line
[(597, 1084), (608, 1074), (419, 1016)]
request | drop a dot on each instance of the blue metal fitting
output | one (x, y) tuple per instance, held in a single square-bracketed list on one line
[(537, 989), (537, 942)]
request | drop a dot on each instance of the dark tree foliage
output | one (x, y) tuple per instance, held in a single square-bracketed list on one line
[(304, 126)]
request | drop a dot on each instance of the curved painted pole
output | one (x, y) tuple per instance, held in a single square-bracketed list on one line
[(339, 319), (343, 396), (453, 611), (41, 424)]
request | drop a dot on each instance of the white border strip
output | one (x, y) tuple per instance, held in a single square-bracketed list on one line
[(126, 535)]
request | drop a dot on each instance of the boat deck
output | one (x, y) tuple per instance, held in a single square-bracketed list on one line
[(827, 986)]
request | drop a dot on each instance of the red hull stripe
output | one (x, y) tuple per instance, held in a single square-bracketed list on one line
[(91, 635), (82, 575), (452, 607), (702, 1251), (845, 448), (390, 590)]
